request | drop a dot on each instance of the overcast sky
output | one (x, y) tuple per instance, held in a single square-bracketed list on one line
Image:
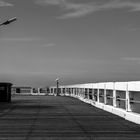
[(80, 41)]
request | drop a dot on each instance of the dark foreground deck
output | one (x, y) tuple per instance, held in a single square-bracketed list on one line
[(61, 118)]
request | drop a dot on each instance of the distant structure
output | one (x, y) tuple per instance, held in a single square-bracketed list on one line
[(5, 92), (22, 90), (28, 91)]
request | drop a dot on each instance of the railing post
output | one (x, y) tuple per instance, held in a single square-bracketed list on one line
[(128, 106), (93, 94), (105, 98), (83, 93), (114, 95), (98, 96), (38, 90), (88, 93)]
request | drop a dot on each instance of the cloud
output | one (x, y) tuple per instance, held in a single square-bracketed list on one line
[(132, 59), (20, 39), (134, 29), (131, 28), (75, 10), (5, 4), (49, 2), (49, 45), (28, 40), (78, 10), (118, 4)]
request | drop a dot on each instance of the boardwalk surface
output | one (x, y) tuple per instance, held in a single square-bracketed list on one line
[(61, 118)]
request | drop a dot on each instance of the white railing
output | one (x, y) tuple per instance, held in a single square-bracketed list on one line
[(125, 97)]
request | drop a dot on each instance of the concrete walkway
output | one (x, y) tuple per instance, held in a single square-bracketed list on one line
[(61, 118)]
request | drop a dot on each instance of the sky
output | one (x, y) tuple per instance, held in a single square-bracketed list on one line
[(79, 41)]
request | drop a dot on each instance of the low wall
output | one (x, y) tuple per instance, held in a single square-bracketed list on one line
[(120, 98)]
